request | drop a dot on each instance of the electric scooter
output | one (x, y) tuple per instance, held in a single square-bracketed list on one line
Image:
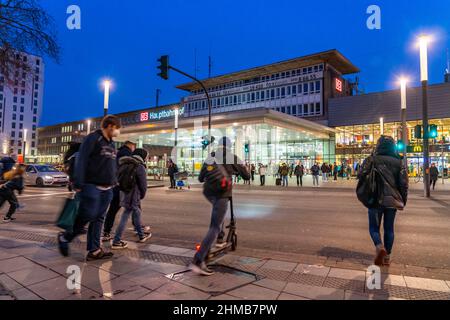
[(231, 240)]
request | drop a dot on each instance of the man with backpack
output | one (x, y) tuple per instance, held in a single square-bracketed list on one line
[(315, 172), (69, 162), (299, 173), (95, 176), (216, 174), (133, 187), (383, 189), (124, 151)]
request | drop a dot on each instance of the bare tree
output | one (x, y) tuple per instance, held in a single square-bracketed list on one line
[(24, 27)]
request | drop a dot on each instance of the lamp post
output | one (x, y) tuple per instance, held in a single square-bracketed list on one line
[(403, 82), (88, 126), (423, 43), (106, 86)]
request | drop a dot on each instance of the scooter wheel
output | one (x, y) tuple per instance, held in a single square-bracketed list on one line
[(234, 242)]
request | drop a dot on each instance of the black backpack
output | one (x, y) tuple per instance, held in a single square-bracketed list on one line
[(126, 176), (217, 181), (367, 190)]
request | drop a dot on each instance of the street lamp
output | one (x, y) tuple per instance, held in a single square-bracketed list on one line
[(88, 126), (106, 86), (403, 83), (423, 44)]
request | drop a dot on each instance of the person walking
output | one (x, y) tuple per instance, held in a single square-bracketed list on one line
[(218, 189), (6, 164), (248, 168), (324, 169), (299, 172), (7, 191), (131, 200), (172, 168), (124, 151), (349, 172), (253, 171), (335, 171), (386, 170), (262, 174), (95, 176), (434, 175), (315, 172), (284, 173)]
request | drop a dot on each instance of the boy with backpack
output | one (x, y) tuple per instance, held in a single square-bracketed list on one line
[(132, 178), (383, 189), (14, 182), (216, 174)]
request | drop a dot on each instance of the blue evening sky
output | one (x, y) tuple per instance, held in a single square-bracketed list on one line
[(122, 40)]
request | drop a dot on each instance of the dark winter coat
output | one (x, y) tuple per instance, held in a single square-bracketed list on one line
[(315, 171), (123, 151), (394, 192), (299, 170), (133, 198), (434, 173), (96, 162), (172, 169)]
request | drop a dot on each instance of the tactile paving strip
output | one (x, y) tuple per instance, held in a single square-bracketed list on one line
[(274, 274), (132, 253), (390, 291), (306, 279), (344, 284), (419, 294)]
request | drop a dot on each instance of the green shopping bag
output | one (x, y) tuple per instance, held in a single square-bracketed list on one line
[(68, 214)]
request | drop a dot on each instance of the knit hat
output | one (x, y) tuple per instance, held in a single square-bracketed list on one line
[(141, 153)]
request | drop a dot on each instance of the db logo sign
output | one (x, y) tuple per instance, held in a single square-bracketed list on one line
[(144, 116)]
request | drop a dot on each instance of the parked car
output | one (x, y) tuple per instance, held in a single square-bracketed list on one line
[(45, 175)]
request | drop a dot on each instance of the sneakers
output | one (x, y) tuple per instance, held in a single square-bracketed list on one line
[(8, 219), (201, 269), (63, 245), (145, 229), (145, 237), (380, 255), (221, 243), (101, 255), (106, 237), (119, 245)]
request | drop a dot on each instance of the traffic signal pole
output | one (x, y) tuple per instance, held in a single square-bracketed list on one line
[(426, 140)]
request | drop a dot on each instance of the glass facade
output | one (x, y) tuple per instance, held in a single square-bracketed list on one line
[(355, 143), (255, 143)]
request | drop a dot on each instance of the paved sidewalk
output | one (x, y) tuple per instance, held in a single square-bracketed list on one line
[(32, 269)]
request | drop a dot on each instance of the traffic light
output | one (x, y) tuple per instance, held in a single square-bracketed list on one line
[(400, 146), (206, 142), (164, 67), (247, 148), (418, 132), (433, 131)]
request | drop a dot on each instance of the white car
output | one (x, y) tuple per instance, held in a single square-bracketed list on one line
[(45, 175)]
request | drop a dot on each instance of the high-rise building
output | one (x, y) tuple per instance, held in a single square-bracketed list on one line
[(21, 108)]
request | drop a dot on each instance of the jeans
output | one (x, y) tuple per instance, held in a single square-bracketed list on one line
[(172, 181), (433, 183), (262, 179), (219, 210), (8, 195), (375, 216), (315, 180), (112, 212), (324, 176), (135, 212), (285, 181), (93, 206), (299, 180)]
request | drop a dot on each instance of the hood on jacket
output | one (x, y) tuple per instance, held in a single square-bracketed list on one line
[(386, 146), (134, 159)]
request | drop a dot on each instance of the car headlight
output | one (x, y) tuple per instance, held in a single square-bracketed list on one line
[(48, 178)]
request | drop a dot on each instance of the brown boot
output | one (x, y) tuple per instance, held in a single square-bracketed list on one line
[(381, 254)]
